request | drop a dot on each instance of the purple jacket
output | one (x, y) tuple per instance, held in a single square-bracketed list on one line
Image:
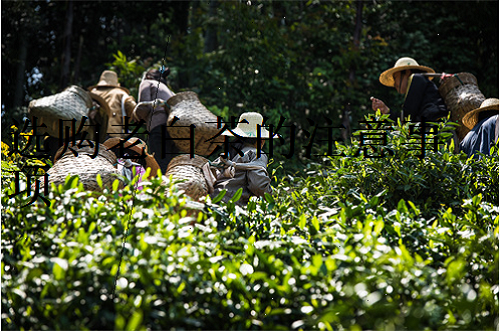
[(150, 90)]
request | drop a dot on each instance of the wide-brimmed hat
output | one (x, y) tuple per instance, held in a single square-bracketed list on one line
[(247, 127), (401, 64), (113, 144), (108, 79), (471, 118)]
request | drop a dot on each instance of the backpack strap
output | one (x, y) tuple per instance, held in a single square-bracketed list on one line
[(124, 113), (496, 130), (124, 97)]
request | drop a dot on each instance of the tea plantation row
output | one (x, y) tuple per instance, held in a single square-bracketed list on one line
[(391, 243)]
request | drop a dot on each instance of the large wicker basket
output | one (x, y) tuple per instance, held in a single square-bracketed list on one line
[(190, 169), (85, 166), (461, 95), (72, 103), (189, 110)]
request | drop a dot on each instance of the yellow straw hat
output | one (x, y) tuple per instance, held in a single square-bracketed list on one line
[(108, 79), (404, 63), (471, 118), (247, 126)]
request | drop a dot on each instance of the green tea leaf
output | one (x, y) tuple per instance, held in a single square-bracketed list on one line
[(116, 184), (379, 225), (302, 221), (315, 223), (237, 195), (268, 197), (219, 196), (60, 267), (135, 321), (99, 180), (71, 182)]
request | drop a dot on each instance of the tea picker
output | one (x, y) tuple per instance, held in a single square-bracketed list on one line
[(153, 110), (422, 101)]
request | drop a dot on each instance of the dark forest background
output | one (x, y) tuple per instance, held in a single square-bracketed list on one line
[(297, 59)]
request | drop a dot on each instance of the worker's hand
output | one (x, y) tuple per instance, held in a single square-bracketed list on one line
[(159, 102), (378, 104)]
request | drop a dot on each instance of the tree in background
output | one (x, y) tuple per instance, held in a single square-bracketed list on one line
[(297, 59)]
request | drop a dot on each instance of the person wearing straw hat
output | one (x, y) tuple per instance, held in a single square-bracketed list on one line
[(154, 87), (250, 172), (422, 99), (120, 102), (483, 123), (131, 154)]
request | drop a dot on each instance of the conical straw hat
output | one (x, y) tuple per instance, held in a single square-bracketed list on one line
[(108, 79), (471, 118), (401, 64)]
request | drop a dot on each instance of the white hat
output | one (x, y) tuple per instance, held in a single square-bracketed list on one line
[(248, 125)]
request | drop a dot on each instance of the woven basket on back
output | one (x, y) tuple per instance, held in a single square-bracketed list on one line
[(72, 103), (185, 167), (461, 95), (85, 166), (189, 110)]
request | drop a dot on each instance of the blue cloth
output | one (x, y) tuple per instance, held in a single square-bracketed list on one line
[(480, 137)]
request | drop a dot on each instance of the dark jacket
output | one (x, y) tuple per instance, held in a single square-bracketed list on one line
[(150, 90), (422, 102), (479, 139), (253, 182)]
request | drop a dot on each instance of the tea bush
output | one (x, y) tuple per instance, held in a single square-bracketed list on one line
[(360, 243)]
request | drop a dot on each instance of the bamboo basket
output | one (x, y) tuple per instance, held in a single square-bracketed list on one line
[(72, 103), (189, 110), (85, 166), (190, 169), (461, 95)]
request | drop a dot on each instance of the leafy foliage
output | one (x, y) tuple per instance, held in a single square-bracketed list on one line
[(335, 249), (354, 241), (296, 59), (129, 72)]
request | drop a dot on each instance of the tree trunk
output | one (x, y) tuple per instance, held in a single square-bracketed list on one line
[(66, 56), (346, 113), (181, 15), (211, 36), (359, 23), (76, 76), (20, 74), (192, 17)]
